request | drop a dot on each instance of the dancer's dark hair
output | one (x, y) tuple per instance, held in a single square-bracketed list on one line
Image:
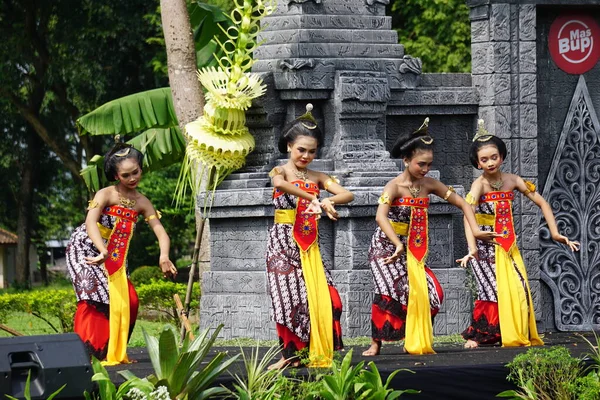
[(304, 125), (408, 144), (118, 153), (484, 138)]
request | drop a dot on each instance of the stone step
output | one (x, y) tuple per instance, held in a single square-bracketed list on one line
[(244, 184), (331, 7), (282, 22), (328, 36), (329, 50), (328, 65), (371, 174)]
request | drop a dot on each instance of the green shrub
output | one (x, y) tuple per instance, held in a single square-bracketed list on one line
[(549, 369), (43, 304), (586, 387), (158, 296), (144, 275)]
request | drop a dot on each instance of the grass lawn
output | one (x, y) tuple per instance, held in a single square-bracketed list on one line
[(30, 325)]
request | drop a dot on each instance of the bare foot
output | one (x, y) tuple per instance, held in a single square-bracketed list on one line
[(283, 363), (471, 344), (373, 350)]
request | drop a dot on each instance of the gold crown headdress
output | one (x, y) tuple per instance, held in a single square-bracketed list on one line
[(307, 116), (423, 132), (482, 135)]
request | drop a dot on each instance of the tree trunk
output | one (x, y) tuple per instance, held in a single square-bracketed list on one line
[(25, 208), (188, 98)]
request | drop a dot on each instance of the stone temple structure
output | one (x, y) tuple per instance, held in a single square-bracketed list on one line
[(343, 57)]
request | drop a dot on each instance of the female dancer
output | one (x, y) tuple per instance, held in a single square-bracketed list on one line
[(407, 294), (306, 305), (107, 303), (504, 309)]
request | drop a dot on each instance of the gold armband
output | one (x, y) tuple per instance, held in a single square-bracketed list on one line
[(92, 204), (328, 182), (153, 216), (276, 171), (530, 187), (470, 199), (385, 199), (449, 192)]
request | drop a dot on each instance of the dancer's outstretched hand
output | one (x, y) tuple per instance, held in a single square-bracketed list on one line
[(489, 237), (314, 208), (327, 206), (574, 246), (394, 257), (465, 260), (167, 267)]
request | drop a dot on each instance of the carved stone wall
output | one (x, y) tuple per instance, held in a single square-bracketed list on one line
[(343, 57)]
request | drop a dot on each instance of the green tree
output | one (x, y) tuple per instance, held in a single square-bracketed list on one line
[(60, 59), (437, 31)]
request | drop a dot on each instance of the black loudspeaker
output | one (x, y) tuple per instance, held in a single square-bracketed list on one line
[(54, 360)]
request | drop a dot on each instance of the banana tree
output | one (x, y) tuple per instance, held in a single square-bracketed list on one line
[(150, 116)]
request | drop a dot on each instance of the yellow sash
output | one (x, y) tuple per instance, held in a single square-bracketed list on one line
[(515, 307), (319, 298), (419, 330), (118, 288)]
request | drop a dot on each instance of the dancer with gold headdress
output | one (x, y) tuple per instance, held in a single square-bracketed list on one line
[(96, 255), (407, 293), (504, 309), (305, 305)]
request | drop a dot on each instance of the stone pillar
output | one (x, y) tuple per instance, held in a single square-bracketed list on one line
[(503, 47)]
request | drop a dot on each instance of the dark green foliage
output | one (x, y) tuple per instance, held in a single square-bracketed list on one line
[(179, 223), (144, 275), (437, 31)]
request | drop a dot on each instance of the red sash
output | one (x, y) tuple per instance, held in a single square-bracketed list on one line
[(417, 233), (306, 228), (504, 218), (118, 243)]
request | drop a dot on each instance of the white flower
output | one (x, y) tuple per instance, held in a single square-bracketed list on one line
[(161, 393), (136, 394)]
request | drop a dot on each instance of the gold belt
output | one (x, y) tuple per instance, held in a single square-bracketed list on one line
[(104, 231), (401, 228), (485, 219), (285, 216)]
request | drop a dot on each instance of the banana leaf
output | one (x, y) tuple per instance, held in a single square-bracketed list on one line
[(131, 114), (205, 20)]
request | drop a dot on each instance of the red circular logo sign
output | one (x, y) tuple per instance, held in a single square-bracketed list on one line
[(574, 42)]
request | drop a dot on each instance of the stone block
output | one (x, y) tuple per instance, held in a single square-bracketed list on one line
[(497, 120), (493, 89), (501, 63), (527, 57), (528, 127), (482, 58), (528, 157), (500, 22), (480, 31), (534, 287), (531, 258), (530, 232), (527, 21), (527, 88)]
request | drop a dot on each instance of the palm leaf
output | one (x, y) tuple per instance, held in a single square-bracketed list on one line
[(131, 114)]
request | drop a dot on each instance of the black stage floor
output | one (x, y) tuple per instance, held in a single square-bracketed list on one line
[(452, 373)]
